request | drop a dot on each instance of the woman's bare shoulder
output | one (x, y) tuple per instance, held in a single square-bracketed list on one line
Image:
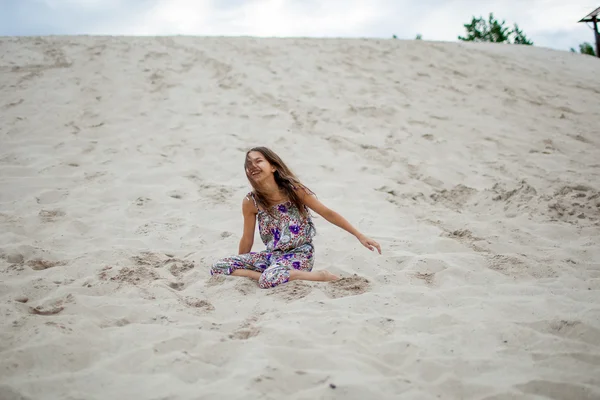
[(249, 204)]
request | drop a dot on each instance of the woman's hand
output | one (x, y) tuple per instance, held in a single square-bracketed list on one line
[(369, 243)]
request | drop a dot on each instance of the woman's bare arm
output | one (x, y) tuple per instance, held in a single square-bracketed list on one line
[(249, 212)]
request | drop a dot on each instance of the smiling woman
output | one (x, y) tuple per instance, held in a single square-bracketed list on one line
[(280, 203)]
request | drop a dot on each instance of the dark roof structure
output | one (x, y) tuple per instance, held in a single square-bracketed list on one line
[(590, 16)]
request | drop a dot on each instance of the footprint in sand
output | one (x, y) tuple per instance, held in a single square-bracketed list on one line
[(51, 215), (425, 269), (246, 330), (137, 275), (350, 286), (39, 264), (425, 276), (147, 258), (141, 201), (179, 267), (246, 287), (61, 327), (464, 236), (216, 280), (115, 323), (176, 194), (291, 291), (572, 330), (454, 198), (51, 197), (157, 260), (386, 325), (13, 258), (517, 266), (52, 308), (581, 138), (179, 286), (202, 305), (557, 390), (45, 311)]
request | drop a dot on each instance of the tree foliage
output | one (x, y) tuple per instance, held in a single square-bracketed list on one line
[(519, 37), (585, 48), (491, 30)]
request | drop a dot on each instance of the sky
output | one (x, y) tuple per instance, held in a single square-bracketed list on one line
[(549, 23)]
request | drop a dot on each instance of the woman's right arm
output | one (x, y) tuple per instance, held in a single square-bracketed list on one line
[(249, 212)]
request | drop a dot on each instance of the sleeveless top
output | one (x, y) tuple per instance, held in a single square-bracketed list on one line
[(287, 229)]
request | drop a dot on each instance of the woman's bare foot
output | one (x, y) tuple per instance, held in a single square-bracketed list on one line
[(317, 276), (328, 276)]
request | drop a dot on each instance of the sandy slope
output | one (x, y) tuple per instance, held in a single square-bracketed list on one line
[(477, 168)]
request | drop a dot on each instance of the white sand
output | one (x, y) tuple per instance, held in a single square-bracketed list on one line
[(477, 168)]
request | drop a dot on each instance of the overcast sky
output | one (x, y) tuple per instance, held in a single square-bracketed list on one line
[(549, 23)]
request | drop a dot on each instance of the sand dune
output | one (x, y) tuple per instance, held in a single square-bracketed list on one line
[(477, 168)]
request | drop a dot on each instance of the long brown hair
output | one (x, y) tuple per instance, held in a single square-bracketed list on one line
[(284, 177)]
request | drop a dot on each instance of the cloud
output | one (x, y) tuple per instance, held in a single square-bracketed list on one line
[(67, 17), (259, 18), (549, 23)]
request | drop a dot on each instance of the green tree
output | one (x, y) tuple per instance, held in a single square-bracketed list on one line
[(480, 30), (585, 48), (519, 37), (419, 37)]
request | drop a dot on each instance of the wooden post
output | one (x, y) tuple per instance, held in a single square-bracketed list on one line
[(595, 20)]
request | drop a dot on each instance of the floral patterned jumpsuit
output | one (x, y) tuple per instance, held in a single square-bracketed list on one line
[(288, 237)]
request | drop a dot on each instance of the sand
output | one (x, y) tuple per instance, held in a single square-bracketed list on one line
[(476, 167)]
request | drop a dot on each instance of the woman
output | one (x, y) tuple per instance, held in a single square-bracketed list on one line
[(281, 204)]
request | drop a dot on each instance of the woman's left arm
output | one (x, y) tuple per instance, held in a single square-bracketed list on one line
[(333, 217)]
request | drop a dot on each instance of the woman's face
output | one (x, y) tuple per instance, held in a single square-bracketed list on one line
[(257, 167)]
